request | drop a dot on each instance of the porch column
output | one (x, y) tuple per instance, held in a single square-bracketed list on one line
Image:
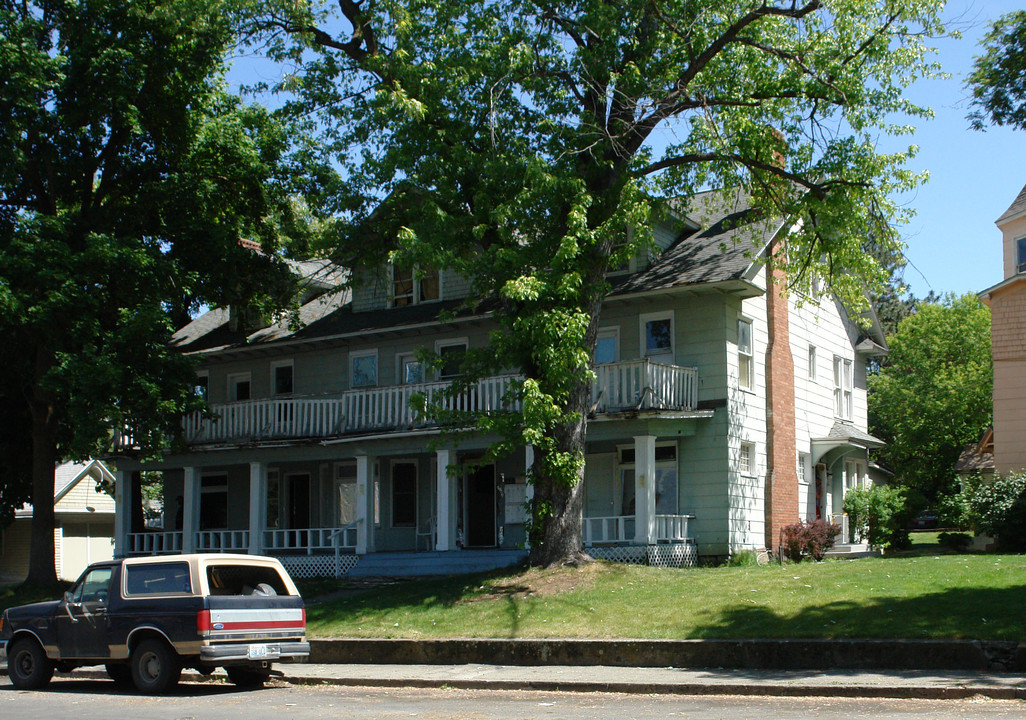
[(644, 489), (529, 490), (445, 523), (257, 506), (122, 511), (365, 504), (190, 503)]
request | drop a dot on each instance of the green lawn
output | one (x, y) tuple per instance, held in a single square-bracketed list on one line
[(925, 596)]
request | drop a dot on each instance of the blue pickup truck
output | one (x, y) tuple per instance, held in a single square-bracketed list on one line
[(146, 619)]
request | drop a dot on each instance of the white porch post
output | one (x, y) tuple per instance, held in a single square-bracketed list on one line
[(257, 506), (644, 489), (190, 505), (445, 530), (122, 512), (365, 504)]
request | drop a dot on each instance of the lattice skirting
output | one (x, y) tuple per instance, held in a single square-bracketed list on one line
[(315, 566), (671, 555)]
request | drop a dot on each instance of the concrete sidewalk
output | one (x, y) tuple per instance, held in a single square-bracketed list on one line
[(917, 684)]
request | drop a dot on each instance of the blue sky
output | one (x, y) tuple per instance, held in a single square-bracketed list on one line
[(953, 245)]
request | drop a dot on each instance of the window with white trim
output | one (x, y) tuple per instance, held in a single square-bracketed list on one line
[(854, 475), (802, 468), (657, 337), (451, 353), (363, 368), (746, 459), (1020, 255), (415, 286), (239, 387), (607, 347), (843, 394), (282, 377), (812, 362), (410, 370), (745, 355)]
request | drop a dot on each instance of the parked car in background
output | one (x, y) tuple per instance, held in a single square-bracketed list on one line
[(147, 618)]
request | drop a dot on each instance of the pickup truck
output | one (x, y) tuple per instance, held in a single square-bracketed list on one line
[(147, 618)]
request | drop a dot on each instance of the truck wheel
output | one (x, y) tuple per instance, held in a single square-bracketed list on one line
[(248, 677), (28, 665), (120, 674), (155, 667)]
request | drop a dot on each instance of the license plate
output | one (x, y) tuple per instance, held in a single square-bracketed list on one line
[(257, 651)]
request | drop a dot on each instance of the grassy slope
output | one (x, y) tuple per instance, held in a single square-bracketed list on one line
[(945, 596)]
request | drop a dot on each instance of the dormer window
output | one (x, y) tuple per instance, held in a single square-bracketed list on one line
[(414, 286), (1020, 255)]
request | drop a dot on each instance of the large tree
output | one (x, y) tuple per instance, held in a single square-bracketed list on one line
[(525, 144), (127, 177), (933, 397), (998, 79)]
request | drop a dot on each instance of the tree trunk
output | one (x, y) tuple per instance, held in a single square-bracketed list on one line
[(42, 565)]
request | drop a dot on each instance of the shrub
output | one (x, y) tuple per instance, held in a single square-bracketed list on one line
[(955, 541), (743, 558), (808, 539), (999, 509), (880, 515)]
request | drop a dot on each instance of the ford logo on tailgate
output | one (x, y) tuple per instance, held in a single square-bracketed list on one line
[(218, 626)]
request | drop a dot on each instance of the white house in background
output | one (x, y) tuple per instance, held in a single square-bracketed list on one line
[(84, 524), (723, 410)]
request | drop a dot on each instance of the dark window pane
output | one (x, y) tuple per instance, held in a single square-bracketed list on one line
[(283, 380)]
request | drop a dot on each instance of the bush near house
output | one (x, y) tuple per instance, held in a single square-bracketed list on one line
[(808, 539), (880, 516), (999, 509)]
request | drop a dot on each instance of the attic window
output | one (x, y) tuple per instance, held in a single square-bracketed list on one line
[(1020, 256), (411, 287)]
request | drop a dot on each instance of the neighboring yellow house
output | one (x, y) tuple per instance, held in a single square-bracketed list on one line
[(84, 527), (1007, 301)]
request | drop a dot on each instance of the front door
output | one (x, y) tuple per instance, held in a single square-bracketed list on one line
[(82, 625), (299, 500), (479, 500)]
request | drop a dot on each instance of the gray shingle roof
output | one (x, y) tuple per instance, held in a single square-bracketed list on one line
[(848, 432), (1018, 205)]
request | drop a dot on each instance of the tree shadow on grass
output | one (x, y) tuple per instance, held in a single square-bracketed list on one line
[(969, 613)]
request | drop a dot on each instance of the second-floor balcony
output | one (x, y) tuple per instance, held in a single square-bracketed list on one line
[(619, 387)]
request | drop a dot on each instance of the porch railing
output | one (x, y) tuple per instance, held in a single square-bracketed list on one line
[(644, 385), (305, 540), (155, 543), (624, 386), (222, 541), (620, 529)]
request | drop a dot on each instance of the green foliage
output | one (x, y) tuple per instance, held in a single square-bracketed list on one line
[(954, 510), (880, 515), (933, 396), (999, 509), (513, 142), (808, 539), (998, 79), (743, 558), (956, 541)]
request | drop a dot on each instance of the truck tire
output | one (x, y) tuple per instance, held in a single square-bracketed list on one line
[(155, 667), (28, 665), (248, 677)]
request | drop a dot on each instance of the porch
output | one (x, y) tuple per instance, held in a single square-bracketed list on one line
[(638, 385)]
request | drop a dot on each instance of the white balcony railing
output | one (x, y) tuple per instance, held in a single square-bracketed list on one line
[(634, 385), (619, 529), (309, 540), (644, 385), (155, 543), (222, 541)]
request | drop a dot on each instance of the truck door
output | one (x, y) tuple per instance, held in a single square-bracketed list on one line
[(82, 623)]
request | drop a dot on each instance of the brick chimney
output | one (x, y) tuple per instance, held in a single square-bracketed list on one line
[(781, 504)]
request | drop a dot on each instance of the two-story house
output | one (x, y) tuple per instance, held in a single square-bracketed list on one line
[(724, 409), (1007, 302)]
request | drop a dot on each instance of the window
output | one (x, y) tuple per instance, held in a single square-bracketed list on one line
[(657, 337), (404, 494), (745, 356), (607, 347), (1020, 255), (812, 362), (451, 353), (214, 502), (665, 479), (854, 474), (363, 369), (281, 377), (93, 587), (803, 461), (842, 388), (239, 387), (200, 386), (415, 286), (746, 459), (411, 370), (158, 579)]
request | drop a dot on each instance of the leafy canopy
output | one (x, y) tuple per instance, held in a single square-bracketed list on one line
[(998, 79)]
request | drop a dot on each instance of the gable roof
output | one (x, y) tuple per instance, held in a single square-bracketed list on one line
[(66, 476)]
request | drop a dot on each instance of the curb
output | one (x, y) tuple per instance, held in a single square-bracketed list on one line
[(750, 654)]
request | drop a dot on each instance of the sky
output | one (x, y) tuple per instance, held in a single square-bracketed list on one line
[(952, 242)]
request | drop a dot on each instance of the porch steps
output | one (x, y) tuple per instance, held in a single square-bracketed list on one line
[(460, 562)]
